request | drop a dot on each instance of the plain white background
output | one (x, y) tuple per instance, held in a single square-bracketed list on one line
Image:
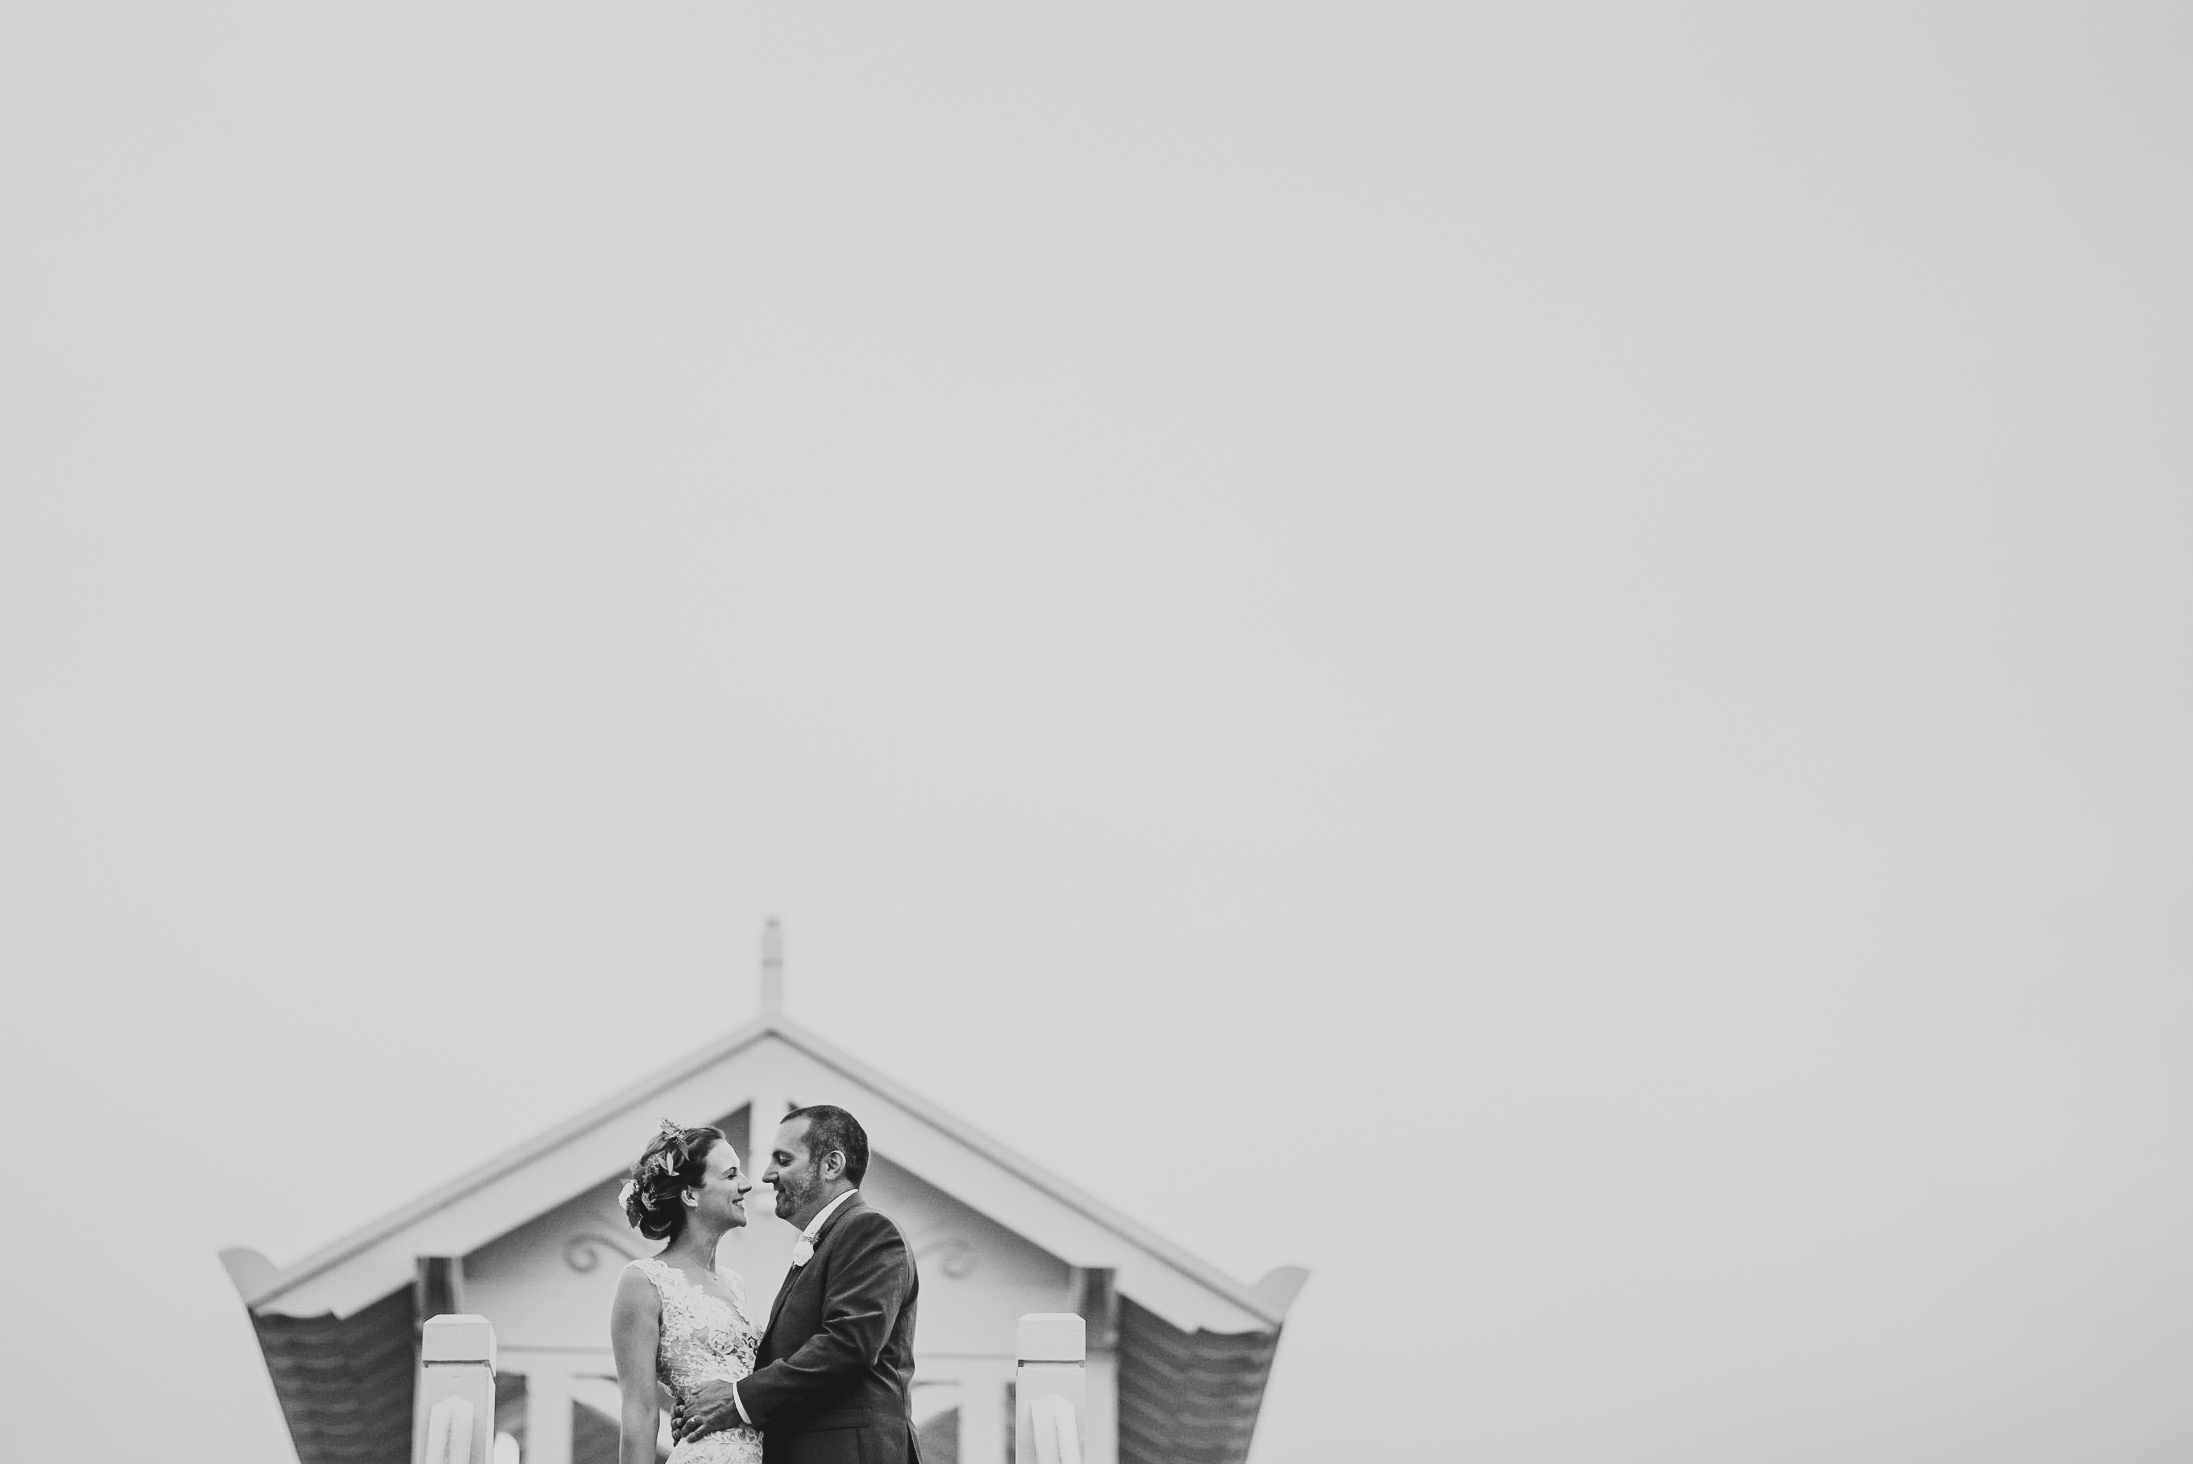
[(1547, 650)]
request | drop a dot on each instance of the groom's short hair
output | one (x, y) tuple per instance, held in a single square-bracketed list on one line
[(831, 1127)]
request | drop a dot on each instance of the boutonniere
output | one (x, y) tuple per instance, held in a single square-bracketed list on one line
[(803, 1252)]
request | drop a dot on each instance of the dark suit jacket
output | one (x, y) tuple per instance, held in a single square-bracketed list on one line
[(830, 1382)]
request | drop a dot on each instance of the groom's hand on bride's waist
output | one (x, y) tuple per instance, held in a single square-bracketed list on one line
[(712, 1406)]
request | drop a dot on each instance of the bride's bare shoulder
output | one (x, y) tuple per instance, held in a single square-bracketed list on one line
[(636, 1290)]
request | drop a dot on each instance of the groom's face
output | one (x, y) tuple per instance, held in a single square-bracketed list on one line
[(791, 1171)]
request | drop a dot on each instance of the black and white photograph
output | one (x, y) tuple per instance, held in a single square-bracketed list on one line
[(1158, 734)]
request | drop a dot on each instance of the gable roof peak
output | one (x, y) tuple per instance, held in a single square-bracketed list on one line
[(356, 1268)]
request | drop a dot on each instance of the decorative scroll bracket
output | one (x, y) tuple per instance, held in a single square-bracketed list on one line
[(583, 1252), (954, 1256)]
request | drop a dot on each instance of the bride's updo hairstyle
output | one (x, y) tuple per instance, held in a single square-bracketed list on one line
[(673, 1161)]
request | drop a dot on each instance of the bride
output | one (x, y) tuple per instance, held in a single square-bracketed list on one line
[(677, 1320)]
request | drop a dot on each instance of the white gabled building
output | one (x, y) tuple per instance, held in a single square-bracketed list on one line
[(533, 1240)]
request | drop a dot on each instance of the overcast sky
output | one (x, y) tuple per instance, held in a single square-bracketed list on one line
[(1536, 659)]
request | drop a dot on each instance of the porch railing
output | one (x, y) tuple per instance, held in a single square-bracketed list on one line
[(1051, 1388), (453, 1421)]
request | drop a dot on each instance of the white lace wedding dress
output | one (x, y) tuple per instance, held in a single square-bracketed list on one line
[(705, 1339)]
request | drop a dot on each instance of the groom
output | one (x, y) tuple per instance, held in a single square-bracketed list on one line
[(830, 1381)]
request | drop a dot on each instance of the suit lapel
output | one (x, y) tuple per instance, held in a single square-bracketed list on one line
[(794, 1276), (784, 1289)]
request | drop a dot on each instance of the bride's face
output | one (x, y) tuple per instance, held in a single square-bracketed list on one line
[(720, 1197)]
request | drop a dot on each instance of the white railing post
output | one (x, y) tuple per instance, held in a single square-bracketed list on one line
[(1051, 1389), (453, 1421)]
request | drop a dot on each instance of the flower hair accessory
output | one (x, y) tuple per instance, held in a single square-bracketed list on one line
[(672, 1157)]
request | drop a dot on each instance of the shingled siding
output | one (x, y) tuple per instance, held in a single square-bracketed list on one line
[(345, 1385), (1187, 1397)]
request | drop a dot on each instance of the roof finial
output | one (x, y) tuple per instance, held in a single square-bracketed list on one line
[(772, 969)]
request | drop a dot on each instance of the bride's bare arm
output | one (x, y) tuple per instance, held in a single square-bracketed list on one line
[(635, 1326)]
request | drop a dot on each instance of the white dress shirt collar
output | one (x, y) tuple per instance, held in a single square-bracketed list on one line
[(804, 1251)]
